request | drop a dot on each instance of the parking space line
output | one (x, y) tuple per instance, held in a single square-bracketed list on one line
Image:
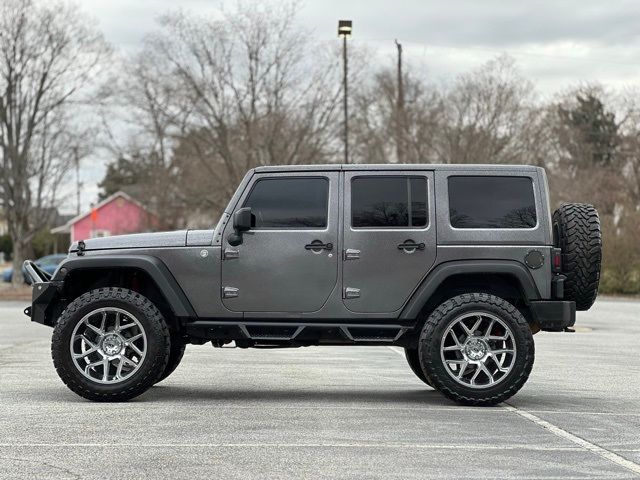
[(396, 350), (289, 407), (577, 412), (564, 434), (581, 442), (421, 446)]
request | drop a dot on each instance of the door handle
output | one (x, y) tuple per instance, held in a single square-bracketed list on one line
[(411, 245), (318, 245)]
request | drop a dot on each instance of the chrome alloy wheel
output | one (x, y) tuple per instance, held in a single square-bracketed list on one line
[(478, 350), (108, 345)]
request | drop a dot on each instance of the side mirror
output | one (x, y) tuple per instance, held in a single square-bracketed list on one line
[(243, 220)]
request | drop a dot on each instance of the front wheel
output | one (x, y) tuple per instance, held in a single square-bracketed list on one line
[(477, 349), (110, 344), (175, 357), (413, 359)]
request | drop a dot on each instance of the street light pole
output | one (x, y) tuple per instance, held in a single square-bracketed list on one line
[(344, 31), (400, 118)]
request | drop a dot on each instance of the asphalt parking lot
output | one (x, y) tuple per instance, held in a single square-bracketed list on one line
[(328, 412)]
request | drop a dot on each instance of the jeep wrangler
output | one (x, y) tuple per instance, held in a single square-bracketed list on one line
[(459, 265)]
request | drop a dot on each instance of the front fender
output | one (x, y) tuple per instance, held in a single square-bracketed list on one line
[(151, 265)]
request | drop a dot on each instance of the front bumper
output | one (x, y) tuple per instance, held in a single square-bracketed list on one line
[(44, 303), (554, 315)]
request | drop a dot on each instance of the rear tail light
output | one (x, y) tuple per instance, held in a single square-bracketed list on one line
[(556, 260)]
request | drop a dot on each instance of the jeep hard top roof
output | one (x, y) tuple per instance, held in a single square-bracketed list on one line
[(395, 166)]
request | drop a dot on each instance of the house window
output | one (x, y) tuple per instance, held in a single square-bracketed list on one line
[(100, 233)]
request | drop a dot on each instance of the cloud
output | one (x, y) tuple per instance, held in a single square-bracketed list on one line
[(488, 22), (556, 43)]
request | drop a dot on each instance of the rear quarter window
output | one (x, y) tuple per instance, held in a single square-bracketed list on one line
[(491, 202)]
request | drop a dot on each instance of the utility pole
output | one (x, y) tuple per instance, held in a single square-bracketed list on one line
[(344, 31), (76, 159), (346, 100), (400, 120)]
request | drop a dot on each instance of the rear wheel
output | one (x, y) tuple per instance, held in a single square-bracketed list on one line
[(477, 349), (110, 344), (413, 359)]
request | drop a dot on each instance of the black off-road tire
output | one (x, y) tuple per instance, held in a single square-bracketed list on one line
[(576, 230), (175, 357), (154, 363), (413, 359), (433, 365)]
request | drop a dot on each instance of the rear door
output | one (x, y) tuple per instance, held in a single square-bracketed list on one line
[(389, 237)]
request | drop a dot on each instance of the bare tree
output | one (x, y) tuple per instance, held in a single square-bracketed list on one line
[(48, 54), (154, 112), (488, 114), (380, 121), (626, 104), (218, 96)]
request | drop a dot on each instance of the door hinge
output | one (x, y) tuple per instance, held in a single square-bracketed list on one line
[(350, 292), (351, 254), (230, 292), (230, 253)]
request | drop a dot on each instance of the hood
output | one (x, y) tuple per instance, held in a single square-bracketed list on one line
[(179, 238)]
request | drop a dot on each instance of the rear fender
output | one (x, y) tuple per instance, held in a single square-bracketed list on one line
[(442, 272)]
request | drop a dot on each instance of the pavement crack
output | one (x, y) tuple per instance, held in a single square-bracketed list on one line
[(581, 442), (73, 474)]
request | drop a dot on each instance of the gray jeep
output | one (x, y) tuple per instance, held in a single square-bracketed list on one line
[(459, 265)]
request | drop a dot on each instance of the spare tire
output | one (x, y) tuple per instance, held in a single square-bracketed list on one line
[(576, 231)]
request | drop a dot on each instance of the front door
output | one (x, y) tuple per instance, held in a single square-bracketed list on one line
[(289, 261), (389, 238)]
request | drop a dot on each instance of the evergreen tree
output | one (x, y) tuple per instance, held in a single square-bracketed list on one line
[(593, 135)]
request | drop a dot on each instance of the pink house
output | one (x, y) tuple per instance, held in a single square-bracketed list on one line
[(115, 215)]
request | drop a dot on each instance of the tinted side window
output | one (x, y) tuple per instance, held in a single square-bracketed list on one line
[(492, 202), (289, 202), (388, 202)]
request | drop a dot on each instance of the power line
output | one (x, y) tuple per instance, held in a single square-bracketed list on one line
[(509, 51)]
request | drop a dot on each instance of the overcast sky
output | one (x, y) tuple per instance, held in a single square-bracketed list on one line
[(555, 43)]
